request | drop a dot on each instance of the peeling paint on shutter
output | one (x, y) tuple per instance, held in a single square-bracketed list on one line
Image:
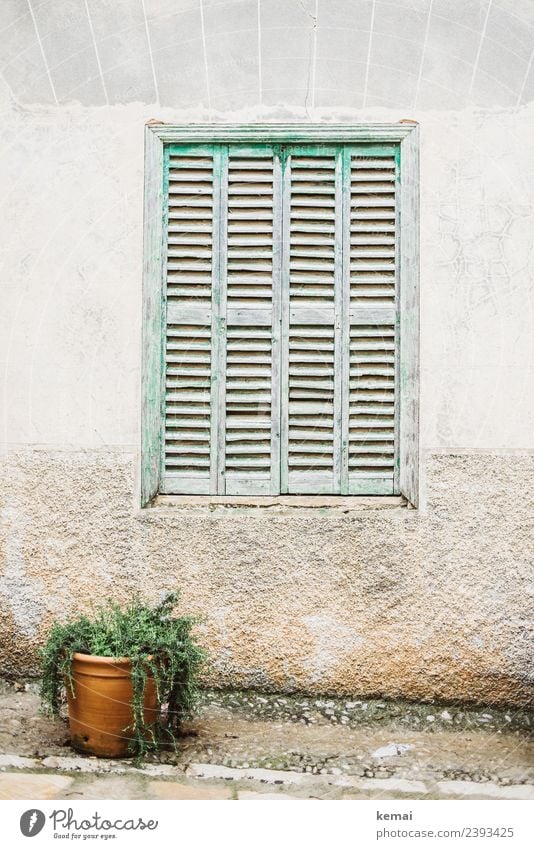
[(190, 230), (309, 443), (371, 408), (281, 356), (372, 230), (371, 222), (188, 349), (252, 410)]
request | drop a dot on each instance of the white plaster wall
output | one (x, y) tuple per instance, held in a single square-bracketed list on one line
[(71, 267), (78, 79)]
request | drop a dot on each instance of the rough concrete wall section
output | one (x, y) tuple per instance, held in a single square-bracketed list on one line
[(392, 603)]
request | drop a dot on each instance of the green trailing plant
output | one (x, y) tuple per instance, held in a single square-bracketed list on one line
[(158, 644)]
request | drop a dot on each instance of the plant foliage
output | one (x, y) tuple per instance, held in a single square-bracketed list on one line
[(157, 643)]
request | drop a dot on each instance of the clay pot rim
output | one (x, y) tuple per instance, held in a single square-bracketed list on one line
[(103, 658)]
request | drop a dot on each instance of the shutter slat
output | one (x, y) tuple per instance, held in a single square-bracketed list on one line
[(372, 197), (371, 437), (189, 268), (250, 186), (312, 195), (186, 390), (310, 397)]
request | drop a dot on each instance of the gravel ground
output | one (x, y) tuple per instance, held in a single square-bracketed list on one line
[(342, 746)]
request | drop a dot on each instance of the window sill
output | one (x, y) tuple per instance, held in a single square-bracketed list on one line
[(277, 504)]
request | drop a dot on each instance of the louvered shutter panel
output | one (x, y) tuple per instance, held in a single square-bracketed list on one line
[(252, 281), (190, 263), (371, 260), (339, 407), (312, 277), (281, 354), (222, 412)]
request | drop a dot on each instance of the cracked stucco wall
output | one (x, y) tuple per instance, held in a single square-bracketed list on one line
[(397, 602)]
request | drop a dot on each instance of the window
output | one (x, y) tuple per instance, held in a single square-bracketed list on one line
[(280, 333)]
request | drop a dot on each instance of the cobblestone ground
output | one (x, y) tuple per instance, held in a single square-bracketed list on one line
[(255, 746)]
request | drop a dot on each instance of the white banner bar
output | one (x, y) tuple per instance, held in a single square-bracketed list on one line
[(297, 823)]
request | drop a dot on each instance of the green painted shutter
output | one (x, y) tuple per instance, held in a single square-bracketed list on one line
[(251, 286), (311, 286), (222, 388), (190, 271), (281, 320), (339, 280), (370, 277)]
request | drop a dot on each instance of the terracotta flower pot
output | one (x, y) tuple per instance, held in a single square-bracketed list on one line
[(101, 708)]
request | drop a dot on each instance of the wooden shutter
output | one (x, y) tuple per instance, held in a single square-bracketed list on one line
[(190, 274), (311, 286), (251, 304), (339, 408), (222, 411), (371, 278), (281, 349)]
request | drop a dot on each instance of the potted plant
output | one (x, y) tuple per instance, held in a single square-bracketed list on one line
[(129, 675)]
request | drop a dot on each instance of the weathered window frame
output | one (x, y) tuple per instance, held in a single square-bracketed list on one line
[(157, 135)]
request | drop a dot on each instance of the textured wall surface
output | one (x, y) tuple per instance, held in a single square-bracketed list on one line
[(420, 603), (392, 601), (71, 267)]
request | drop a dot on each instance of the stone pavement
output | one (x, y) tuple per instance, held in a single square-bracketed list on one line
[(248, 746), (207, 781)]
